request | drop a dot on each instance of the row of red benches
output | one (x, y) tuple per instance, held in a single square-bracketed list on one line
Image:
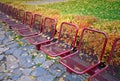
[(85, 58)]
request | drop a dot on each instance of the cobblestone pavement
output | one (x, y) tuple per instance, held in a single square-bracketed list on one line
[(25, 63)]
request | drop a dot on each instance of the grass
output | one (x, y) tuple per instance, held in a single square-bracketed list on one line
[(104, 9)]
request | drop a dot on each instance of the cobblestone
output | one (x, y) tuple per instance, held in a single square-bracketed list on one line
[(38, 71), (17, 53), (2, 76), (47, 64), (39, 59), (1, 57), (46, 77), (2, 38), (6, 40), (2, 68), (11, 62), (57, 70), (15, 74), (26, 61), (13, 45), (27, 71), (25, 78), (10, 51)]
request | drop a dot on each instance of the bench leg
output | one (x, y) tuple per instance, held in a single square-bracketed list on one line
[(38, 47), (68, 70)]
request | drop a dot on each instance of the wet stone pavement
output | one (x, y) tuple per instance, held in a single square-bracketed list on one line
[(25, 63)]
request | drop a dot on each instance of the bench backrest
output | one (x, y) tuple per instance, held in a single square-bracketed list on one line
[(68, 33), (15, 13), (6, 8), (3, 7), (10, 10), (37, 23), (49, 27), (21, 15), (0, 6), (92, 46), (28, 18)]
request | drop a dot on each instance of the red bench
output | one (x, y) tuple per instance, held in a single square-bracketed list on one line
[(65, 42), (112, 70), (7, 13), (47, 34), (5, 10), (19, 15), (25, 18), (13, 20), (89, 52), (10, 15), (35, 29)]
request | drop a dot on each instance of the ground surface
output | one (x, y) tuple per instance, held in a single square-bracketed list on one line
[(17, 62), (44, 2)]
